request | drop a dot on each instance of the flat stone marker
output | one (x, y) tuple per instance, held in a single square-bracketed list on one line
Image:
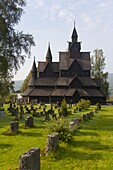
[(29, 121), (91, 114), (88, 115), (71, 124), (47, 118), (2, 113), (52, 142), (30, 160), (77, 122), (84, 117), (14, 126)]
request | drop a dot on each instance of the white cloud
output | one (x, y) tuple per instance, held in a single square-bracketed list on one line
[(54, 11), (93, 13), (39, 3)]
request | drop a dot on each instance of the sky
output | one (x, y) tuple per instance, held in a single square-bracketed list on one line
[(53, 21)]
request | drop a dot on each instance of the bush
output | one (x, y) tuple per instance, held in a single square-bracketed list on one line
[(98, 106), (63, 108), (83, 104), (61, 126)]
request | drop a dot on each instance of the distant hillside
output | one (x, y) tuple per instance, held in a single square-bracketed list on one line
[(18, 84)]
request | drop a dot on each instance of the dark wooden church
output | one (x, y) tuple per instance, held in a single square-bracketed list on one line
[(67, 79)]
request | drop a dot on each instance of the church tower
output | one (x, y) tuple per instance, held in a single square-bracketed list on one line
[(49, 55), (74, 35), (34, 70), (74, 45)]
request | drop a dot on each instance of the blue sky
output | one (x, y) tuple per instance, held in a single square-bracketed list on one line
[(53, 21)]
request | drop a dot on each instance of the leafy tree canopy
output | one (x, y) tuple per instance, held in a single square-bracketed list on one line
[(24, 85), (15, 46), (98, 66)]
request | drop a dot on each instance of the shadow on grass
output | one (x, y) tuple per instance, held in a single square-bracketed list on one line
[(103, 123), (68, 153), (4, 146), (34, 127), (31, 134), (80, 133), (92, 145)]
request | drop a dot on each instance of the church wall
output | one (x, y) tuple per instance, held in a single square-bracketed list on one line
[(55, 99), (101, 100), (40, 98), (49, 74)]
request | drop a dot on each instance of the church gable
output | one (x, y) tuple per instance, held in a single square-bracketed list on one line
[(74, 68), (75, 83), (48, 72)]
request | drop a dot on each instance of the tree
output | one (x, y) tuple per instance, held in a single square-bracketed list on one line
[(97, 71), (24, 85), (15, 46)]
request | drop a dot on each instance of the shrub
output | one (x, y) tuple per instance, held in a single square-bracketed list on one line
[(83, 104), (98, 106), (61, 126), (63, 108)]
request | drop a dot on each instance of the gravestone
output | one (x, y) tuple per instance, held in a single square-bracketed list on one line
[(37, 114), (14, 126), (29, 121), (91, 114), (41, 113), (54, 116), (44, 109), (56, 106), (2, 112), (31, 107), (75, 110), (47, 118), (30, 160), (77, 122), (10, 107), (88, 115), (84, 117), (52, 142), (16, 113), (71, 124), (95, 110), (21, 112)]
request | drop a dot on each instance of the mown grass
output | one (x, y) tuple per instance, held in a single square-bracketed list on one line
[(91, 148)]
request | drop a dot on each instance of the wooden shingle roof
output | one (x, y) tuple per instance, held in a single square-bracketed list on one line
[(82, 92), (87, 81), (64, 81), (49, 81), (94, 93), (84, 60), (59, 92), (70, 92), (64, 60), (41, 66), (54, 66), (41, 92), (31, 81), (27, 92)]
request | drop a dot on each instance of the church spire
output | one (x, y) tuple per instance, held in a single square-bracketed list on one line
[(74, 34), (49, 55), (34, 70)]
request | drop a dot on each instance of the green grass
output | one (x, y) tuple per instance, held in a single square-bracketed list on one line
[(91, 148)]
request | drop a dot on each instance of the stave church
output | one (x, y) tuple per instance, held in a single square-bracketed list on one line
[(68, 79)]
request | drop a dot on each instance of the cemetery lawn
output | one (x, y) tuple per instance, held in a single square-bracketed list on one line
[(90, 149)]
